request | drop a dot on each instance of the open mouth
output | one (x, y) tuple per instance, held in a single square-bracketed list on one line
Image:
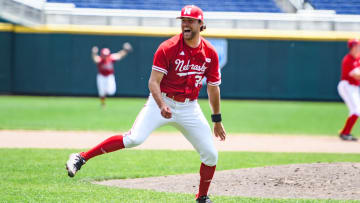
[(187, 30)]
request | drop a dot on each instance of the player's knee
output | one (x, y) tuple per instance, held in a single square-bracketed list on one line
[(210, 158), (111, 92), (132, 141), (355, 112)]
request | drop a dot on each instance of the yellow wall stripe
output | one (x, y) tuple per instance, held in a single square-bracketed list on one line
[(221, 33), (6, 27), (99, 30)]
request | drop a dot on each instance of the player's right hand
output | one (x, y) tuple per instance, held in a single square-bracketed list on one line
[(95, 49), (165, 112), (219, 131), (127, 47)]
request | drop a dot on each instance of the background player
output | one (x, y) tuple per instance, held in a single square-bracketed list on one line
[(105, 63), (180, 63), (348, 87)]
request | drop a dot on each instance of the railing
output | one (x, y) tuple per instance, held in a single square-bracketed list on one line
[(21, 13), (54, 13)]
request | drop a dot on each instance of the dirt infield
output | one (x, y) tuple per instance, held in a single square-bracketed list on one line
[(175, 141), (314, 181), (310, 181)]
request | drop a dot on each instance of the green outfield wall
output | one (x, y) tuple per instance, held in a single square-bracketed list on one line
[(65, 66), (283, 69), (57, 61), (6, 53)]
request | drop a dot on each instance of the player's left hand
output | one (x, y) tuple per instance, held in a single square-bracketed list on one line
[(219, 131), (127, 47)]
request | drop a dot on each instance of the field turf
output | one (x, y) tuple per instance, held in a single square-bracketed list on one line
[(270, 117), (38, 175)]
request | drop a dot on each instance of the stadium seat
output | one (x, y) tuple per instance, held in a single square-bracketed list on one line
[(340, 6), (206, 5)]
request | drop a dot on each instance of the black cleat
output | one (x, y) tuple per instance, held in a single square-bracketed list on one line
[(74, 164), (203, 199), (348, 137)]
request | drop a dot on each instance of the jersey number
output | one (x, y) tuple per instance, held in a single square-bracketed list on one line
[(198, 80)]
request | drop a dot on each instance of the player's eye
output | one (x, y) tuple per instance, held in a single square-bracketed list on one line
[(187, 21)]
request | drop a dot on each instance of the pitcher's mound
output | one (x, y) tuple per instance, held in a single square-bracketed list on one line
[(314, 181)]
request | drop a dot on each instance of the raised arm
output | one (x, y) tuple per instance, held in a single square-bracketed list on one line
[(122, 53), (154, 87), (214, 100), (94, 54)]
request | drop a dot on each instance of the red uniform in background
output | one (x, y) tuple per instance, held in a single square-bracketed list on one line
[(348, 87), (105, 78), (106, 66)]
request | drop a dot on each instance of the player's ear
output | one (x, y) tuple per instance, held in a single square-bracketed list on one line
[(202, 25), (202, 28)]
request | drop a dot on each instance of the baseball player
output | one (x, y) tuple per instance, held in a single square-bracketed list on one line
[(179, 65), (348, 87), (105, 63)]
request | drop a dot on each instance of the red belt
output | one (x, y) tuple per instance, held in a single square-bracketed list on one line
[(178, 98)]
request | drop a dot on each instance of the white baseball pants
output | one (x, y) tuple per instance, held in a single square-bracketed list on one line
[(187, 117), (351, 96), (106, 85)]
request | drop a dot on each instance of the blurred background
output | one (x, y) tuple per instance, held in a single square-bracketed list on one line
[(268, 49)]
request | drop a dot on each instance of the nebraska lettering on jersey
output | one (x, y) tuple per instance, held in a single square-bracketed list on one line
[(106, 66), (349, 63), (185, 67), (181, 67)]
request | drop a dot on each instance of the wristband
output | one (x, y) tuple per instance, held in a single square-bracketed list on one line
[(216, 118)]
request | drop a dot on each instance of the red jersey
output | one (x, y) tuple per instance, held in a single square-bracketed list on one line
[(106, 66), (185, 67), (349, 63)]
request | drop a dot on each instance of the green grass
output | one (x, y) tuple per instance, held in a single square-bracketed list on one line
[(38, 175), (66, 113)]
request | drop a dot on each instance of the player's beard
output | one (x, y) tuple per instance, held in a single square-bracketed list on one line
[(189, 35)]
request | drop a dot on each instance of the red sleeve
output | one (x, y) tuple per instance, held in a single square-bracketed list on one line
[(357, 64), (347, 67), (213, 74), (160, 62)]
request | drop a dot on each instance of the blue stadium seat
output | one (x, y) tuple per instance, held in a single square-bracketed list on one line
[(340, 6), (206, 5)]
